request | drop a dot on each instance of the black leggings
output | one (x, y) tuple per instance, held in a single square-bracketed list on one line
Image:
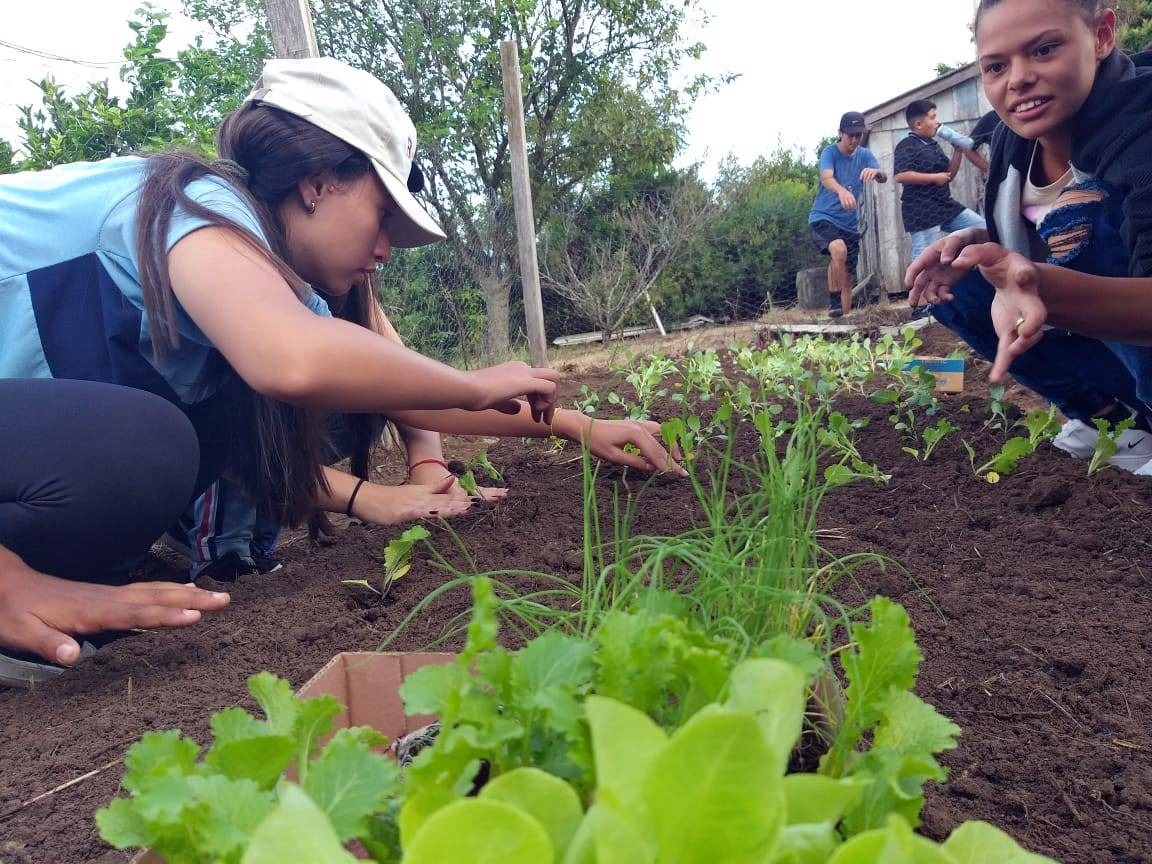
[(90, 473)]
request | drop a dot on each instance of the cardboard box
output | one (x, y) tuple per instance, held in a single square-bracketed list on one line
[(368, 686), (948, 371)]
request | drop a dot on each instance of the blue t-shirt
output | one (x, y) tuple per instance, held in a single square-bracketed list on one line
[(71, 303), (846, 170)]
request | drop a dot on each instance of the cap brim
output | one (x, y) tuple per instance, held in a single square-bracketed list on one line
[(411, 226)]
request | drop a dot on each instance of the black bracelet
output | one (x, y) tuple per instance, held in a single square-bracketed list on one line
[(352, 497)]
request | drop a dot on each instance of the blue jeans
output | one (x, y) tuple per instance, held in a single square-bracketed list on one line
[(1082, 377), (966, 218)]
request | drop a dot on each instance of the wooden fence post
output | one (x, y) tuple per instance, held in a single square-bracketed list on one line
[(522, 201), (292, 33)]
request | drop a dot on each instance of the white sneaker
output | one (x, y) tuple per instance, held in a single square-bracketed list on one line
[(1133, 446), (1077, 438), (1133, 450)]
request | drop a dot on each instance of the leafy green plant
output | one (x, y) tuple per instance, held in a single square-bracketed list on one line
[(467, 480), (997, 408), (397, 560), (1041, 426), (701, 371), (1106, 446), (647, 380), (588, 402), (233, 802), (932, 436), (647, 742)]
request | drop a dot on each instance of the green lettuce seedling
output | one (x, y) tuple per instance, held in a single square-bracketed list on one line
[(1106, 445), (467, 480), (397, 560)]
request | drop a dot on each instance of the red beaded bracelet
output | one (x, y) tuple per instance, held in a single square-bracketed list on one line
[(439, 462)]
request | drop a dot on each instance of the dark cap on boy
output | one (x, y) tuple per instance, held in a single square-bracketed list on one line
[(852, 123)]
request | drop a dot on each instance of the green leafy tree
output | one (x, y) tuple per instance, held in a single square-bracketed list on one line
[(945, 68), (749, 256), (1135, 24), (7, 157), (171, 101)]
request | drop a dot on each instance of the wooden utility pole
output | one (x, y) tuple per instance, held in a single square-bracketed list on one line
[(292, 33), (522, 201)]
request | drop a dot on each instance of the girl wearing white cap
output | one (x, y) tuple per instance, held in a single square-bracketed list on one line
[(158, 327)]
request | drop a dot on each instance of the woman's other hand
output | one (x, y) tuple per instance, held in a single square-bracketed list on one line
[(42, 614)]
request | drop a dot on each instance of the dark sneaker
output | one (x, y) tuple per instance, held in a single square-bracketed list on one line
[(266, 563), (834, 310), (227, 568)]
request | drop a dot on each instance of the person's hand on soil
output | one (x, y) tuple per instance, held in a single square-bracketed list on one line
[(607, 439), (431, 474), (41, 613), (931, 276), (501, 387), (1018, 313), (392, 505), (869, 174), (847, 199)]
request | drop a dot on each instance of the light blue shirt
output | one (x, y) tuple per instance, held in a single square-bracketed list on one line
[(846, 170), (71, 302)]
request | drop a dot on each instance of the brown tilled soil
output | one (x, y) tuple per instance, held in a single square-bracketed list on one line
[(1032, 600)]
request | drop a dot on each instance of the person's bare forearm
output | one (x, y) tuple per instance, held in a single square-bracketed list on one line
[(917, 178), (567, 423), (420, 443), (1103, 307), (976, 159), (831, 185)]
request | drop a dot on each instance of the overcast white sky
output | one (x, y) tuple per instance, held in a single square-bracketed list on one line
[(801, 65)]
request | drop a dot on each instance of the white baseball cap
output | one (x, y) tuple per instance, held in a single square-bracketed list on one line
[(361, 111)]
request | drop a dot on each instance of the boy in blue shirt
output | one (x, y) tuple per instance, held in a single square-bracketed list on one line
[(844, 169)]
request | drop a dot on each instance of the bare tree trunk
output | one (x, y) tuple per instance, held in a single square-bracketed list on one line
[(496, 303)]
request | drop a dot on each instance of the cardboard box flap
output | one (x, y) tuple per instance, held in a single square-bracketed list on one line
[(368, 685)]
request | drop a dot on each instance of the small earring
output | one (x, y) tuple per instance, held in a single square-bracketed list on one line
[(311, 207)]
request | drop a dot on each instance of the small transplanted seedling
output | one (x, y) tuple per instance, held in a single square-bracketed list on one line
[(1041, 426), (467, 480), (397, 560), (1106, 445), (646, 379), (932, 436), (997, 408), (588, 401)]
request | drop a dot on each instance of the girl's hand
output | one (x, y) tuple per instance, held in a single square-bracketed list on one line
[(379, 504), (1018, 313), (607, 439), (500, 387), (42, 614), (931, 276), (431, 474)]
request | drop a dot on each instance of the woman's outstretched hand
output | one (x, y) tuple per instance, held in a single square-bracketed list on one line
[(1018, 313), (501, 387), (607, 439), (931, 276), (42, 614)]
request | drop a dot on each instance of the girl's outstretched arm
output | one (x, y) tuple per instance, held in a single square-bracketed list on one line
[(285, 351), (605, 438)]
